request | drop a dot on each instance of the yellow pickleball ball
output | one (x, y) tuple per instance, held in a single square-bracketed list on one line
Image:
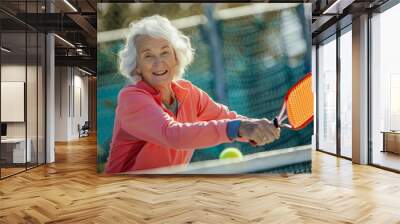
[(230, 153)]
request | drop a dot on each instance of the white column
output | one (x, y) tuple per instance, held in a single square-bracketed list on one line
[(50, 93), (50, 109), (360, 90)]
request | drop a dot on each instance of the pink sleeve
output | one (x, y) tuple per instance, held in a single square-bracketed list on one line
[(143, 118), (210, 110)]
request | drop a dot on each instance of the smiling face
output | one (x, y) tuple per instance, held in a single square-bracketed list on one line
[(156, 63)]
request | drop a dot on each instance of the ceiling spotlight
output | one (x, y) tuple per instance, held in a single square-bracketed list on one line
[(5, 49)]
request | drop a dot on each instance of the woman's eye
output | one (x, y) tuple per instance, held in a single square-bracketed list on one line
[(165, 53)]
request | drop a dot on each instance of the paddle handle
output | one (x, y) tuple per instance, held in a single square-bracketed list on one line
[(276, 122)]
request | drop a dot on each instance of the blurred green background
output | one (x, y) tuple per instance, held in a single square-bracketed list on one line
[(263, 55)]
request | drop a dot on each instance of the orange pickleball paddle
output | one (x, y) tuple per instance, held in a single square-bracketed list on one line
[(298, 105)]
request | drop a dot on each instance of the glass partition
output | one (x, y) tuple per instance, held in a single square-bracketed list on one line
[(346, 93), (327, 96), (22, 88), (385, 89), (14, 153)]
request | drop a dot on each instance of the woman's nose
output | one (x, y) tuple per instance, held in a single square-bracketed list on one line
[(157, 61)]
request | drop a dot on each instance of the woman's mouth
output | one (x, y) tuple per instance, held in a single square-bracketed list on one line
[(160, 73)]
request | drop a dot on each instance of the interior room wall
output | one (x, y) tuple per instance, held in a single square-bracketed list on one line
[(71, 87), (80, 109), (61, 103), (17, 73)]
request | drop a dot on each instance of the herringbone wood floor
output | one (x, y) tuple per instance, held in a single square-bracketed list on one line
[(70, 191)]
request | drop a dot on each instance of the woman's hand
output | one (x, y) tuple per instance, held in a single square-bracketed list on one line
[(259, 131)]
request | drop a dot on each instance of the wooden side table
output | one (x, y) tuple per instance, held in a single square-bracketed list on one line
[(391, 141)]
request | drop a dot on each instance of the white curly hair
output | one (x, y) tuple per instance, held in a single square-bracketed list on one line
[(157, 27)]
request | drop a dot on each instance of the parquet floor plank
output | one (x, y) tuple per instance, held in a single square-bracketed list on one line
[(70, 191)]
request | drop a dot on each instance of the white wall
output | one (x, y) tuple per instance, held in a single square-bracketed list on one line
[(14, 73), (81, 82), (80, 89), (61, 103), (70, 83)]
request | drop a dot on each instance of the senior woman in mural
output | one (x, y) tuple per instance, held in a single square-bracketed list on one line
[(160, 118)]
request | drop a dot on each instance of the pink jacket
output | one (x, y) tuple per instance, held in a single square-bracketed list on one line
[(146, 135)]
